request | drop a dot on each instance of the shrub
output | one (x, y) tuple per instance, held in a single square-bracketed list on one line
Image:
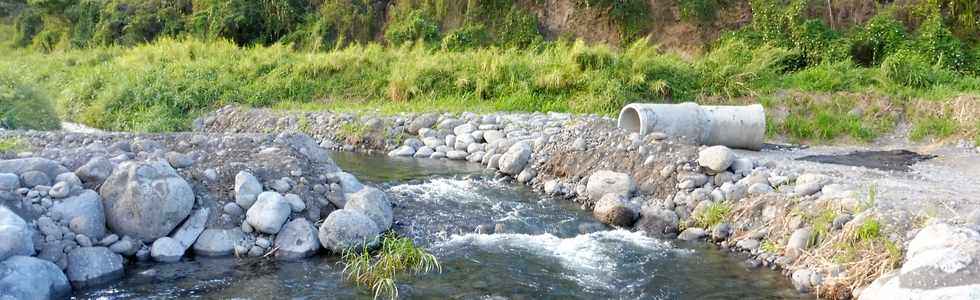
[(592, 57), (415, 25), (882, 36), (23, 107), (466, 37), (911, 69), (519, 28), (734, 69), (28, 24), (338, 23), (938, 44), (831, 77)]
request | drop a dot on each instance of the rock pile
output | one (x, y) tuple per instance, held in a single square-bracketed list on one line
[(141, 197)]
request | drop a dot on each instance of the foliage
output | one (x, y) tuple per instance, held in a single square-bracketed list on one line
[(911, 69), (939, 45), (415, 25), (631, 15), (702, 11), (11, 145), (338, 23), (378, 271), (882, 36), (466, 37), (734, 68), (23, 106), (714, 214)]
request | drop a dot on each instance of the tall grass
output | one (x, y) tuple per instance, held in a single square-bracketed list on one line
[(378, 271)]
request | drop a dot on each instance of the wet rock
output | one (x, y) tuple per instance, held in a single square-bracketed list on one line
[(298, 239), (613, 209), (16, 237), (721, 232), (553, 187), (941, 262), (166, 250), (806, 280), (151, 190), (25, 277), (657, 222), (373, 203), (424, 152), (527, 175), (84, 214), (692, 234), (217, 242), (716, 159), (605, 182), (124, 246), (513, 161), (403, 151), (345, 229), (92, 266), (268, 213), (748, 244)]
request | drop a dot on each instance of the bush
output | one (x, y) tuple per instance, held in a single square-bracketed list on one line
[(518, 29), (882, 36), (911, 69), (466, 37), (939, 45), (415, 25), (23, 107), (734, 68), (28, 24)]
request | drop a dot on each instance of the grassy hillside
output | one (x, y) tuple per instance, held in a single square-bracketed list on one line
[(820, 83)]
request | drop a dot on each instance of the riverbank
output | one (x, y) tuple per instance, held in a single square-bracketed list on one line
[(834, 229)]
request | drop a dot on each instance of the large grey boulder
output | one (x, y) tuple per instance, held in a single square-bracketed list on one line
[(146, 200), (716, 159), (658, 222), (84, 213), (15, 237), (92, 266), (348, 229), (402, 151), (269, 213), (348, 182), (308, 147), (612, 209), (167, 250), (25, 277), (604, 182), (941, 262), (9, 182), (373, 203), (247, 189), (95, 171), (218, 242), (513, 161), (423, 121), (298, 239), (19, 166)]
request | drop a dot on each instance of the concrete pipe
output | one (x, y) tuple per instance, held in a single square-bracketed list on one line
[(733, 126)]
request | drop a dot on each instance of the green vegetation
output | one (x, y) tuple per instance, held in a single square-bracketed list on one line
[(154, 66), (11, 145), (378, 271), (713, 214), (22, 106)]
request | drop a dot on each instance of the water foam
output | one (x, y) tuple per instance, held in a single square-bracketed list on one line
[(593, 260)]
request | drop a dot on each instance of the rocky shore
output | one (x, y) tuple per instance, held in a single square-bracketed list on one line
[(77, 207), (823, 227)]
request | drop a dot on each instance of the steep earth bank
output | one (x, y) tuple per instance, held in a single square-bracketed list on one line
[(833, 229)]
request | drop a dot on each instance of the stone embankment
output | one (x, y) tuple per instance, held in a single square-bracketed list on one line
[(826, 234), (77, 207)]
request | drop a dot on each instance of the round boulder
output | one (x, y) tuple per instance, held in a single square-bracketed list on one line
[(247, 189), (513, 161), (25, 277), (268, 213), (297, 240), (716, 159), (166, 249), (91, 266), (15, 236), (373, 203), (604, 182), (218, 242), (613, 209), (84, 213), (348, 229), (146, 200)]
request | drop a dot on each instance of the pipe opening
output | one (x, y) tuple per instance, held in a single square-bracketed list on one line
[(629, 119)]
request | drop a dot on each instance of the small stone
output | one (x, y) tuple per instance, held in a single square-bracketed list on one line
[(692, 234), (295, 203), (59, 190), (233, 209), (166, 249), (83, 240)]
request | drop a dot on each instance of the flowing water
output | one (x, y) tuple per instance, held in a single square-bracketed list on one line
[(540, 248)]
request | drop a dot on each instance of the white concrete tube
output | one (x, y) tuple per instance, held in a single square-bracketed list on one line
[(733, 126)]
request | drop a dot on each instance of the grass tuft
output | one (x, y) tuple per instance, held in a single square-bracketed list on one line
[(713, 214), (12, 145), (377, 271)]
